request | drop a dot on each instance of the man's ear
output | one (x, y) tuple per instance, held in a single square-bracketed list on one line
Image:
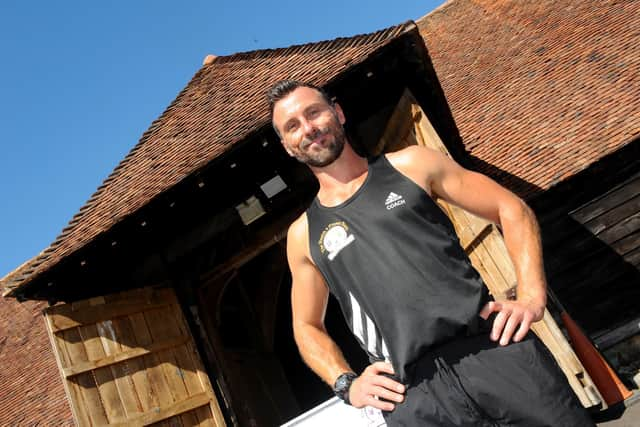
[(339, 113)]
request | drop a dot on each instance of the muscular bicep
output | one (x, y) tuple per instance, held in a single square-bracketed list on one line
[(309, 292), (472, 191)]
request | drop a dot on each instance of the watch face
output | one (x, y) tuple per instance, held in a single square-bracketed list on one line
[(342, 385), (342, 382)]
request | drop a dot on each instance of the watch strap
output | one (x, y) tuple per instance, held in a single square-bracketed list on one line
[(342, 386)]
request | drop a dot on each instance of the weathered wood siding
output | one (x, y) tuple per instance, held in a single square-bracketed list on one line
[(592, 255), (129, 359)]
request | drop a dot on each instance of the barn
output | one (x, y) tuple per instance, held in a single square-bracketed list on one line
[(165, 299)]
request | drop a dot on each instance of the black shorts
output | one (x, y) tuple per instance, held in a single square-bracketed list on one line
[(472, 381)]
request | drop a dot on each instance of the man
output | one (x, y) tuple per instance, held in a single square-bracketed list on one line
[(442, 352)]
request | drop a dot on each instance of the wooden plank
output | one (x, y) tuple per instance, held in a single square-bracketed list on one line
[(118, 357), (155, 375), (205, 417), (614, 336), (120, 371), (74, 395), (613, 216), (166, 412), (143, 378), (633, 257), (163, 324), (397, 129), (478, 237), (103, 376), (195, 378), (627, 244), (607, 201), (88, 395), (137, 367), (480, 256), (64, 317), (622, 229)]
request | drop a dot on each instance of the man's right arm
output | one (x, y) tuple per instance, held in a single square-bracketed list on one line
[(309, 297)]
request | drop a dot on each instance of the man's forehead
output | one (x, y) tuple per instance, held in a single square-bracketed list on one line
[(300, 97)]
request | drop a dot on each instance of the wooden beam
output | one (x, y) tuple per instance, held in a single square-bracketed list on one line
[(614, 336), (264, 239), (87, 366), (478, 237), (63, 317), (158, 414)]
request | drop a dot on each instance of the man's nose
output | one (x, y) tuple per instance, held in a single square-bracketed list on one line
[(307, 127)]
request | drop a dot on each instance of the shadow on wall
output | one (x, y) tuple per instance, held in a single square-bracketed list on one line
[(591, 240)]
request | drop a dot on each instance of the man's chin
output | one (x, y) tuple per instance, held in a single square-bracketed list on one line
[(319, 163)]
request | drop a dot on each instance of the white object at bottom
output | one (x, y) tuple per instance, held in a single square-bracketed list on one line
[(334, 412)]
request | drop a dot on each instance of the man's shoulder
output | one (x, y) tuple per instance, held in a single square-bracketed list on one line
[(298, 230), (412, 156), (420, 164), (298, 240)]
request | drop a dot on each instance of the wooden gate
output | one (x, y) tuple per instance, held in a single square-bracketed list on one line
[(484, 244), (129, 359)]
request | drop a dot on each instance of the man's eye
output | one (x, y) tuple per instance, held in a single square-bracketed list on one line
[(290, 127)]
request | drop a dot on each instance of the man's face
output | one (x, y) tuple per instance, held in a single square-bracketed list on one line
[(310, 129)]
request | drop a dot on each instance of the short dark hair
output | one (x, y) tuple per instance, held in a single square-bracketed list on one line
[(284, 87)]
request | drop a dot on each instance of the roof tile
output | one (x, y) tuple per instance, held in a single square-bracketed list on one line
[(220, 106), (539, 90)]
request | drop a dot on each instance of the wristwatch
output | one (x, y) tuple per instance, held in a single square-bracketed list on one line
[(342, 386)]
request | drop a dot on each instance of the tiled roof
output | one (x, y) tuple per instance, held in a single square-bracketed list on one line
[(538, 89), (223, 103), (32, 390)]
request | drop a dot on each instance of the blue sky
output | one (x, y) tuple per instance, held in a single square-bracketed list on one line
[(80, 81)]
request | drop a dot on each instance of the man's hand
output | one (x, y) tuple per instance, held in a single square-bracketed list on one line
[(371, 384), (512, 315)]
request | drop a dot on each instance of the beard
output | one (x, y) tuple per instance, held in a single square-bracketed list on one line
[(326, 154)]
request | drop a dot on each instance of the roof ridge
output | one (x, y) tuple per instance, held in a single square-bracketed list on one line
[(269, 52), (436, 10)]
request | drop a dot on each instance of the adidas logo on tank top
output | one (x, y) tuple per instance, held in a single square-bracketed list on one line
[(394, 200)]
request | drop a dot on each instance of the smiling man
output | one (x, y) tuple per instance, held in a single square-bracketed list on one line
[(442, 352)]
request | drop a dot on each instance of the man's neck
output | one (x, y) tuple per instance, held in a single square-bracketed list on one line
[(342, 178)]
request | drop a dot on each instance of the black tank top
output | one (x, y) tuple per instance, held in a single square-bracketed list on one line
[(392, 259)]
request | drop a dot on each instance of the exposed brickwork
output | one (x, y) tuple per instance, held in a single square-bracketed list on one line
[(538, 89), (31, 390)]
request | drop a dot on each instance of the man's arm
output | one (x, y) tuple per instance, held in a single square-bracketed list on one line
[(309, 297), (482, 196)]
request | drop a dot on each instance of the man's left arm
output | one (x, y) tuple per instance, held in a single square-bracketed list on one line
[(482, 196)]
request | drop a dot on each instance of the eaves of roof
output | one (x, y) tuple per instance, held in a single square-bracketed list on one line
[(222, 104)]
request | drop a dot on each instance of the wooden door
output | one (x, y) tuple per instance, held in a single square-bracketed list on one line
[(484, 244), (129, 359)]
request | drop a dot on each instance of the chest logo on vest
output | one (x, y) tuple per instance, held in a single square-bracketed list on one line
[(394, 200), (334, 238)]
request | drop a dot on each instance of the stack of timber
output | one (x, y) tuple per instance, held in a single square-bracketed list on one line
[(129, 359), (485, 246)]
